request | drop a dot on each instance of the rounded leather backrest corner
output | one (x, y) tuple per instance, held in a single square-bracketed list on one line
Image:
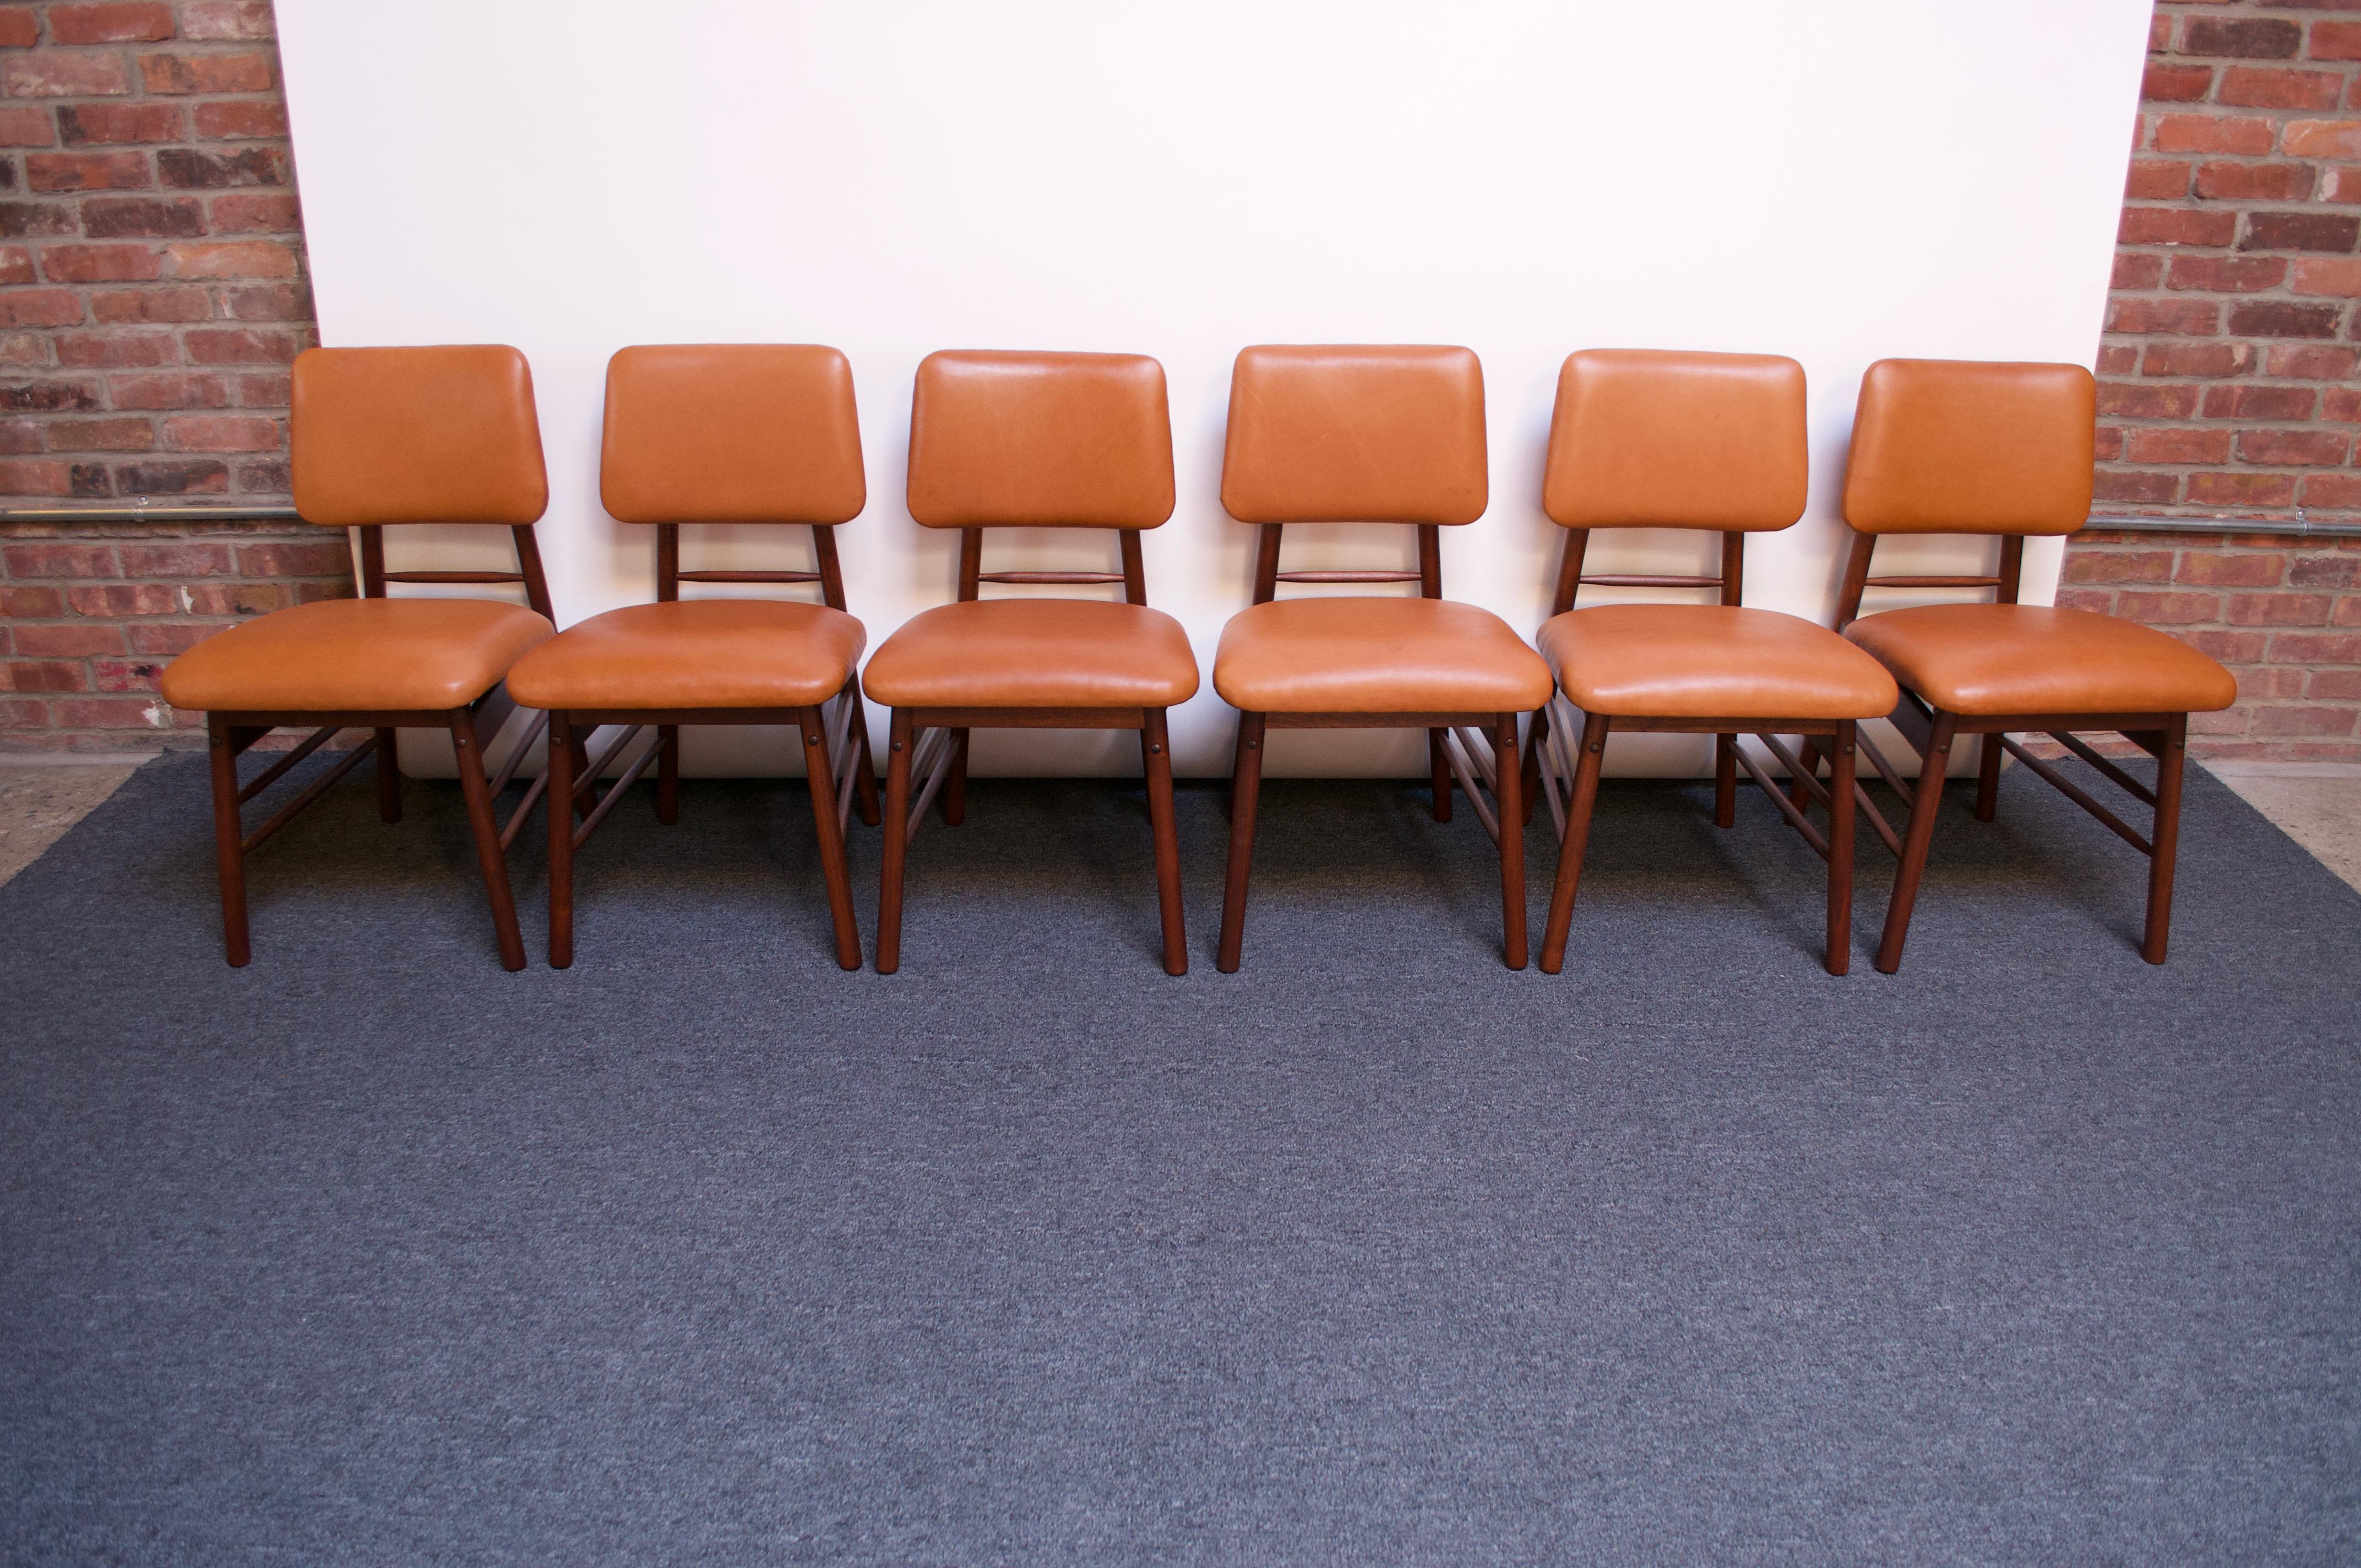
[(1970, 446), (1650, 438), (1043, 440), (394, 435), (1356, 434), (731, 433)]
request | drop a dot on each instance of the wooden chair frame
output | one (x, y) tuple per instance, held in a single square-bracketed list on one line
[(1453, 750), (471, 728), (930, 745), (836, 755), (1932, 732), (1570, 784)]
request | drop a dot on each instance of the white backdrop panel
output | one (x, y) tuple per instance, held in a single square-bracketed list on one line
[(1841, 182)]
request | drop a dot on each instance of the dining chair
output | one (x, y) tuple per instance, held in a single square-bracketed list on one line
[(1956, 446), (743, 434), (1033, 440), (1363, 434), (381, 437), (1713, 443)]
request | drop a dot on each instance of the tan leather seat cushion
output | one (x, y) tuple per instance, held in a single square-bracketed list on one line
[(731, 433), (1649, 438), (1356, 434), (1376, 655), (1967, 446), (696, 653), (1043, 652), (443, 434), (354, 655), (2016, 658), (1697, 661)]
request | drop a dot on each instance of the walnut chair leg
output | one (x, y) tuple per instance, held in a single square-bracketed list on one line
[(477, 790), (1926, 802), (1529, 771), (864, 762), (1843, 816), (1438, 771), (1577, 838), (229, 842), (1725, 780), (561, 841), (1246, 792), (1988, 780), (822, 780), (2165, 838), (668, 773), (1809, 755), (1156, 749), (1510, 797), (897, 843), (388, 777), (955, 786)]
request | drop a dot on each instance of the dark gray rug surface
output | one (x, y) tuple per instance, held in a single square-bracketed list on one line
[(1375, 1253)]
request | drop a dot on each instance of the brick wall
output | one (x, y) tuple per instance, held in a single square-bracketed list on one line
[(2227, 370), (152, 293)]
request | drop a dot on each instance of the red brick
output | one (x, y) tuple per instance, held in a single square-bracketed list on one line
[(2227, 275), (19, 28), (2252, 403), (303, 558), (175, 476), (2176, 84), (2294, 447), (127, 22), (2271, 318), (226, 19), (2220, 570), (100, 264), (2320, 276), (2241, 489), (243, 346), (116, 350), (59, 559), (100, 435), (222, 433), (2243, 39), (2255, 685), (2332, 232), (2334, 685), (2176, 225), (2177, 445), (112, 713), (2137, 489), (2146, 402), (75, 640), (16, 264), (256, 212), (2254, 182), (126, 305), (88, 172), (2098, 601), (2319, 138), (265, 391), (2280, 609), (2326, 571), (2107, 443), (66, 76), (126, 676), (198, 391), (2342, 185), (2152, 608), (49, 219), (19, 436), (2275, 719), (2312, 363), (178, 559), (2248, 87), (2182, 318), (2335, 40), (2229, 647), (41, 675), (52, 396), (241, 119), (2208, 133), (146, 218), (2157, 180), (2198, 360), (2314, 648), (268, 303), (237, 598), (2137, 270), (2332, 492), (2118, 565), (27, 127), (2118, 358), (185, 168), (237, 258), (49, 478), (18, 603), (183, 74), (2348, 610), (84, 124), (149, 637)]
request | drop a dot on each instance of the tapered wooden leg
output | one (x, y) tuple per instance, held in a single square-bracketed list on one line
[(668, 773), (1577, 838), (229, 842), (561, 843), (955, 786), (1155, 747), (1725, 780), (1926, 802), (1809, 755), (864, 762), (898, 842), (1843, 815), (1245, 793), (477, 789), (388, 777), (822, 780), (2165, 838), (1988, 780), (582, 768), (1529, 770), (1438, 771), (1509, 798)]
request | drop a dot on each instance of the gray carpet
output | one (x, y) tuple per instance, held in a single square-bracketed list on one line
[(1375, 1253)]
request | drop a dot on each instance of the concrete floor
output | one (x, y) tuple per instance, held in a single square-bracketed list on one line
[(2318, 805)]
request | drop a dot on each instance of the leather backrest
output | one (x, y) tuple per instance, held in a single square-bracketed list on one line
[(417, 435), (1648, 439), (1040, 441), (1964, 446), (1356, 434), (731, 433)]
